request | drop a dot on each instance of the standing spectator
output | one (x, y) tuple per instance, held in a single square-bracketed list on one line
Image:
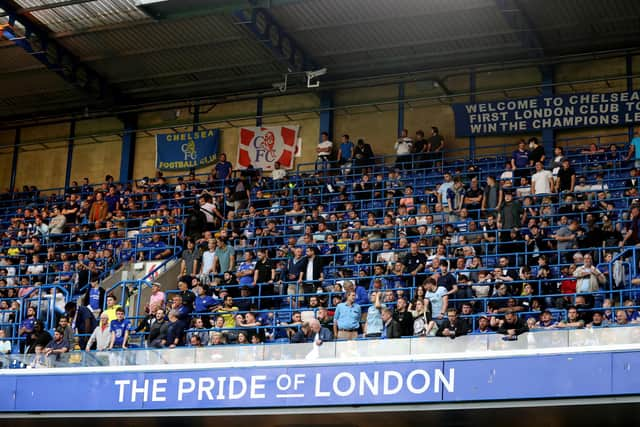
[(492, 195), (537, 151), (566, 177), (520, 161), (345, 154), (99, 209), (101, 335), (94, 297), (402, 147), (511, 212), (634, 149), (175, 330), (373, 326), (541, 181), (223, 170), (589, 277), (346, 320), (404, 317), (82, 320), (324, 151), (225, 256), (438, 297), (567, 237), (119, 330), (190, 261), (363, 155), (435, 147)]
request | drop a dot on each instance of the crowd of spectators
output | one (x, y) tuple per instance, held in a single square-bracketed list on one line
[(373, 250)]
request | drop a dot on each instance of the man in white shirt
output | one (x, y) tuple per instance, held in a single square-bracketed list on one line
[(209, 261), (403, 150), (324, 150), (278, 173), (442, 190), (542, 180)]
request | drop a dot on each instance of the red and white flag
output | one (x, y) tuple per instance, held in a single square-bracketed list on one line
[(261, 147)]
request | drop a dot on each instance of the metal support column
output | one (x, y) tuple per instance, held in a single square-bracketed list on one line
[(472, 99), (259, 111), (196, 118), (130, 122), (548, 135), (400, 109), (72, 138), (326, 113), (629, 71), (14, 161)]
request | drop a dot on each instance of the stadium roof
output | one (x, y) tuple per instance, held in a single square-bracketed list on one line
[(110, 54)]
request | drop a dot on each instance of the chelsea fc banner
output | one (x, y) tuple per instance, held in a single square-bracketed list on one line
[(262, 147), (186, 150)]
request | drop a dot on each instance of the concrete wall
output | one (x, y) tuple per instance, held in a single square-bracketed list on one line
[(370, 113)]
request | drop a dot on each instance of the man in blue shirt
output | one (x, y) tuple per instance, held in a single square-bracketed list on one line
[(439, 299), (119, 330), (634, 149), (345, 154), (346, 319), (156, 249), (520, 161), (223, 168)]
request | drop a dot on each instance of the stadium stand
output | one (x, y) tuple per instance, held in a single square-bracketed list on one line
[(424, 244)]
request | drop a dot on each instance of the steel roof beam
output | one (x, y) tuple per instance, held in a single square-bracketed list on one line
[(524, 28), (36, 42), (283, 46)]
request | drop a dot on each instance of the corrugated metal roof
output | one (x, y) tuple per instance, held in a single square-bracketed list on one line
[(155, 35), (85, 15), (404, 32), (331, 13), (181, 61)]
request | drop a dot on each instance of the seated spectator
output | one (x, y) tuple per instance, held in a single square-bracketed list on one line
[(452, 326), (573, 319), (312, 331), (390, 326), (58, 345), (5, 344), (546, 321), (512, 326)]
